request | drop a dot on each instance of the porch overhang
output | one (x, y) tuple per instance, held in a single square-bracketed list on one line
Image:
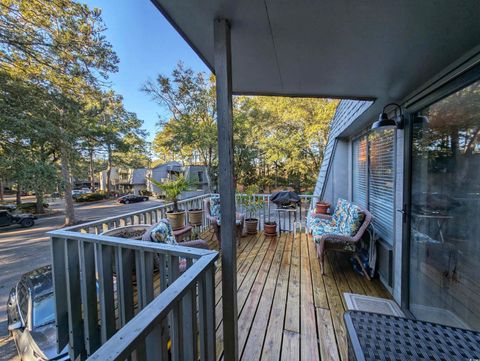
[(376, 50)]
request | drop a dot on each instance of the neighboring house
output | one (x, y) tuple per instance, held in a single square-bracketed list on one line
[(124, 180), (196, 174), (161, 173)]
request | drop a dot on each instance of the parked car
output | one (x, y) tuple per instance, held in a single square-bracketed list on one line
[(31, 317), (132, 198), (7, 219), (77, 192)]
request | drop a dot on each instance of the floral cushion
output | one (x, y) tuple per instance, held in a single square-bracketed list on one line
[(215, 206), (162, 233), (346, 220), (323, 226)]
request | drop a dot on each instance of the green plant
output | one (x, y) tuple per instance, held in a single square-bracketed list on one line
[(251, 203), (90, 197), (30, 207), (172, 189)]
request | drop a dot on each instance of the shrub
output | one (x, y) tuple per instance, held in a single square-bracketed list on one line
[(145, 192), (30, 207), (90, 197)]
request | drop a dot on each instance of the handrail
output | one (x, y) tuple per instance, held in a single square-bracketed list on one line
[(132, 244), (135, 213)]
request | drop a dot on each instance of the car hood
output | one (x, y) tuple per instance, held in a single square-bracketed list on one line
[(25, 215), (45, 338)]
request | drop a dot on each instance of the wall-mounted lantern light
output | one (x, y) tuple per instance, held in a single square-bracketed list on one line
[(385, 121)]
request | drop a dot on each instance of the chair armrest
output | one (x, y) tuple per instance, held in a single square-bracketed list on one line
[(332, 237)]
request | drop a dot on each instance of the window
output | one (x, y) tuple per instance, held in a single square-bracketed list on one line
[(200, 177), (360, 171), (374, 178)]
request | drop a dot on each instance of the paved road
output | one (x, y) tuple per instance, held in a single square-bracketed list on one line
[(22, 250)]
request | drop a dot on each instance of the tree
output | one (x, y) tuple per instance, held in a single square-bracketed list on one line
[(58, 45), (290, 135), (190, 132)]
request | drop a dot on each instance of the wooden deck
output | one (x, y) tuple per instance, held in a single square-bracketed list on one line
[(286, 309)]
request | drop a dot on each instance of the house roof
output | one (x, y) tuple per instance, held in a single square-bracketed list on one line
[(333, 48), (138, 176), (173, 164)]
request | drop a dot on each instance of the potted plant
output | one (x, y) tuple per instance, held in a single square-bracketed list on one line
[(270, 228), (195, 216), (173, 189), (322, 207), (252, 205)]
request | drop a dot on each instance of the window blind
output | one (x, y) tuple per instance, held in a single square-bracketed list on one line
[(381, 190), (360, 171)]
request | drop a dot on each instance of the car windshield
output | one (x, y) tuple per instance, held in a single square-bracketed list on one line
[(44, 310)]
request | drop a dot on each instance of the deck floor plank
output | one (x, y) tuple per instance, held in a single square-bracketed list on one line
[(287, 309), (253, 347), (272, 346)]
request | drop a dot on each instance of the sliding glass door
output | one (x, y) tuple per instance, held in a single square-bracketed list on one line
[(444, 283)]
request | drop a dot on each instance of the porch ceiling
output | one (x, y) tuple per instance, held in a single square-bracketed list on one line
[(335, 48)]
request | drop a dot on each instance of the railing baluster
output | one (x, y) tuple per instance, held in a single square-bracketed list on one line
[(175, 331), (59, 285), (124, 269), (123, 222), (72, 269), (105, 280), (89, 296), (140, 277), (188, 328), (206, 302)]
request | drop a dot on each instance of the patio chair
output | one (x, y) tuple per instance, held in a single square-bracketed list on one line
[(340, 232), (212, 209)]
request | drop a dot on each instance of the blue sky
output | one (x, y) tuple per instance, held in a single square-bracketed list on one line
[(146, 45)]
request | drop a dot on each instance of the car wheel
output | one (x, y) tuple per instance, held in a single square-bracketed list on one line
[(145, 199), (28, 222), (127, 202)]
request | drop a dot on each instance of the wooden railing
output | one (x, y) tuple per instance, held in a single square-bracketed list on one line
[(117, 298), (120, 299), (269, 211), (144, 216)]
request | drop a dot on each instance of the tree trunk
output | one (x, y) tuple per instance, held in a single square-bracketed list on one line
[(109, 169), (39, 205), (91, 170), (1, 189), (69, 208), (18, 195)]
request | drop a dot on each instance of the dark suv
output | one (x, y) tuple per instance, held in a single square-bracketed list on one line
[(24, 220)]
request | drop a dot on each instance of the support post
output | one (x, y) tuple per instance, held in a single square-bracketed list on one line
[(223, 73)]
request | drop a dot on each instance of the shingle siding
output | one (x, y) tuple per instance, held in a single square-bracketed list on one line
[(346, 113)]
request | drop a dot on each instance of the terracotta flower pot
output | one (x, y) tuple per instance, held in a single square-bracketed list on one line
[(251, 225), (177, 219), (195, 217), (270, 228), (322, 207)]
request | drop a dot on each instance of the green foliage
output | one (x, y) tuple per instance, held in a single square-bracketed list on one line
[(278, 141), (190, 134), (90, 197), (173, 189), (55, 110), (30, 207), (251, 203)]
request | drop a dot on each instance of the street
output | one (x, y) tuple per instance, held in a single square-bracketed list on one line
[(24, 249)]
